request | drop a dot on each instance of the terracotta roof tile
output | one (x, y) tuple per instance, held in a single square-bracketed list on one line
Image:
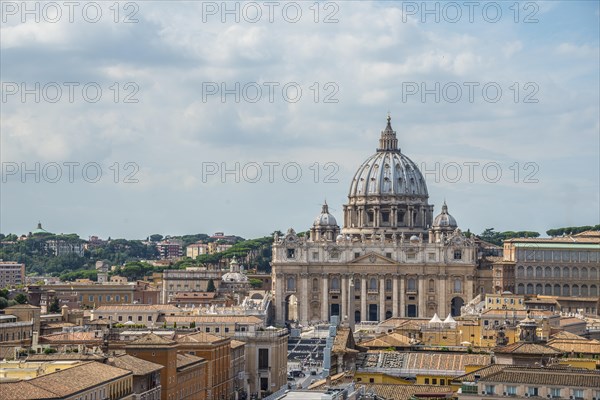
[(134, 364)]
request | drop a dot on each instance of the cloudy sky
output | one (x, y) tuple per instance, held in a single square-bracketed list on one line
[(184, 117)]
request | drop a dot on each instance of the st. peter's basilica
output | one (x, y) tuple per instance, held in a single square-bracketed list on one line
[(391, 258)]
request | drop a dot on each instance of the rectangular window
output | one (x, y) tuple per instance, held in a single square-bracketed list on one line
[(385, 217), (291, 253), (139, 318), (315, 256), (578, 394), (226, 330), (117, 298), (532, 391), (99, 298), (263, 358), (126, 298), (457, 254), (555, 392), (431, 256), (427, 381), (207, 329), (120, 318), (434, 381), (388, 255), (356, 255), (490, 389), (149, 317), (511, 390), (217, 330)]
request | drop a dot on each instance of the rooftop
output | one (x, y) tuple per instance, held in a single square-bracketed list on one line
[(136, 365)]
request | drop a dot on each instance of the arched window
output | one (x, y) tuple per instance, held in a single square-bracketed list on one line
[(538, 272), (566, 290), (593, 273), (556, 290), (557, 272), (575, 273), (335, 283), (530, 272), (457, 285), (291, 283), (373, 284), (538, 289), (584, 291), (593, 291), (548, 289), (529, 288), (547, 272), (411, 285), (566, 273), (520, 271), (584, 273), (357, 284), (575, 290), (388, 284), (315, 285), (431, 285), (520, 288)]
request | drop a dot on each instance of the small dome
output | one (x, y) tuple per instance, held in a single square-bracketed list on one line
[(234, 277), (414, 239), (444, 220), (325, 219)]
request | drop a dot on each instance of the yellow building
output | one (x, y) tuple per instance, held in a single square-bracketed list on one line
[(381, 378), (19, 370)]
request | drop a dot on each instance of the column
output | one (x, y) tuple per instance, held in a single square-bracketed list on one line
[(394, 216), (402, 296), (325, 299), (279, 306), (344, 304), (421, 296), (395, 296), (363, 297), (351, 298), (381, 298), (303, 298), (442, 301)]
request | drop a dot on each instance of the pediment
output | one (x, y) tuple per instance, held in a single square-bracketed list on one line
[(373, 258)]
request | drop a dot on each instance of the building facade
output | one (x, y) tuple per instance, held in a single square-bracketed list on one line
[(391, 257), (11, 274)]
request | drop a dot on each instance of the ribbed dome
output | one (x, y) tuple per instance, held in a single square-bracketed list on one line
[(325, 219), (444, 220), (388, 172)]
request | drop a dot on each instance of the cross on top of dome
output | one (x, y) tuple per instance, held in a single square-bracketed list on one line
[(388, 140)]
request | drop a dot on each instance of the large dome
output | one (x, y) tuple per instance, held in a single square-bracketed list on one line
[(388, 172)]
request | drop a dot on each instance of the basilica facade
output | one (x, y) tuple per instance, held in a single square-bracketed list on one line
[(391, 258)]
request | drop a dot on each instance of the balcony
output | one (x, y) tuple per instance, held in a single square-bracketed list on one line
[(152, 394)]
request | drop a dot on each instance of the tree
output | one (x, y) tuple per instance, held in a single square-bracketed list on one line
[(211, 286), (156, 237), (54, 306), (3, 303), (21, 298), (256, 283)]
